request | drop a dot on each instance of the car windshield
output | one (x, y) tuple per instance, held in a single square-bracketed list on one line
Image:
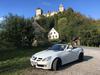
[(57, 47)]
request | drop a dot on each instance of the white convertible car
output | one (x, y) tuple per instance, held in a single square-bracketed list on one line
[(56, 56)]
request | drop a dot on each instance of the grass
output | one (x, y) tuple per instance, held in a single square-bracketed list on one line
[(14, 61)]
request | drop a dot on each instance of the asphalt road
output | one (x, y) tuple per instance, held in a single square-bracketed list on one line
[(90, 65)]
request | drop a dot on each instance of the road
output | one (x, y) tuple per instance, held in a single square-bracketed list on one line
[(90, 65)]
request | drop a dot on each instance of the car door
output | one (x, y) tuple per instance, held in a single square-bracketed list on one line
[(74, 54), (69, 55), (65, 56)]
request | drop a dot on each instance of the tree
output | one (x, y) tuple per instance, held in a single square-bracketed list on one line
[(17, 29), (62, 27)]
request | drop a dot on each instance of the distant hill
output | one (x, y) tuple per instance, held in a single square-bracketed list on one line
[(70, 24), (70, 16)]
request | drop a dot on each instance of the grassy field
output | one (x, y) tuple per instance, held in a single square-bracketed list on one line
[(15, 61)]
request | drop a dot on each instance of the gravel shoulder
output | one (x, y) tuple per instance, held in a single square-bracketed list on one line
[(90, 65)]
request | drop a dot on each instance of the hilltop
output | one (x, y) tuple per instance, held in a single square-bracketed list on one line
[(70, 23)]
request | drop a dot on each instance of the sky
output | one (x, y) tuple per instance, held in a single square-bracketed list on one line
[(90, 8)]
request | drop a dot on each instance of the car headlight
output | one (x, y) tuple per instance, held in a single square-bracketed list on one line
[(47, 59), (33, 57)]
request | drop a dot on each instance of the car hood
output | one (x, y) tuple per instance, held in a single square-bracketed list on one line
[(46, 53)]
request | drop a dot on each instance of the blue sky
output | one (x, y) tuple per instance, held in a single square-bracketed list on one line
[(90, 8)]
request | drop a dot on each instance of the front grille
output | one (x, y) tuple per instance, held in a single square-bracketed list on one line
[(39, 59), (39, 65)]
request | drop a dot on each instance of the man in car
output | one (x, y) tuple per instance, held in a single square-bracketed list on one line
[(76, 42)]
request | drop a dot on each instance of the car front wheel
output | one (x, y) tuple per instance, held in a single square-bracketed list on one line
[(81, 57), (56, 64)]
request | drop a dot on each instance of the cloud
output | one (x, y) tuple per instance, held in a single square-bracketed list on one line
[(49, 2), (46, 3), (1, 19)]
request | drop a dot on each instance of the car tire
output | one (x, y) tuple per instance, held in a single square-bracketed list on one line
[(81, 57), (56, 65)]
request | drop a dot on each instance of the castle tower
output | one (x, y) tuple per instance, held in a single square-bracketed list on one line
[(48, 14), (61, 8), (39, 12)]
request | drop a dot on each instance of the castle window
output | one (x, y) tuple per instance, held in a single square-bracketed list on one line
[(56, 36), (53, 36), (49, 36)]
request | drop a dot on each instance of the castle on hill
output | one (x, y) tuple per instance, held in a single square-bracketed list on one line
[(39, 12), (53, 34)]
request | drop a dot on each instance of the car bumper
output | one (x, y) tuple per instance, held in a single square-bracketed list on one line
[(41, 64)]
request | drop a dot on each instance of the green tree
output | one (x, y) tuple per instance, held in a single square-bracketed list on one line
[(16, 28)]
